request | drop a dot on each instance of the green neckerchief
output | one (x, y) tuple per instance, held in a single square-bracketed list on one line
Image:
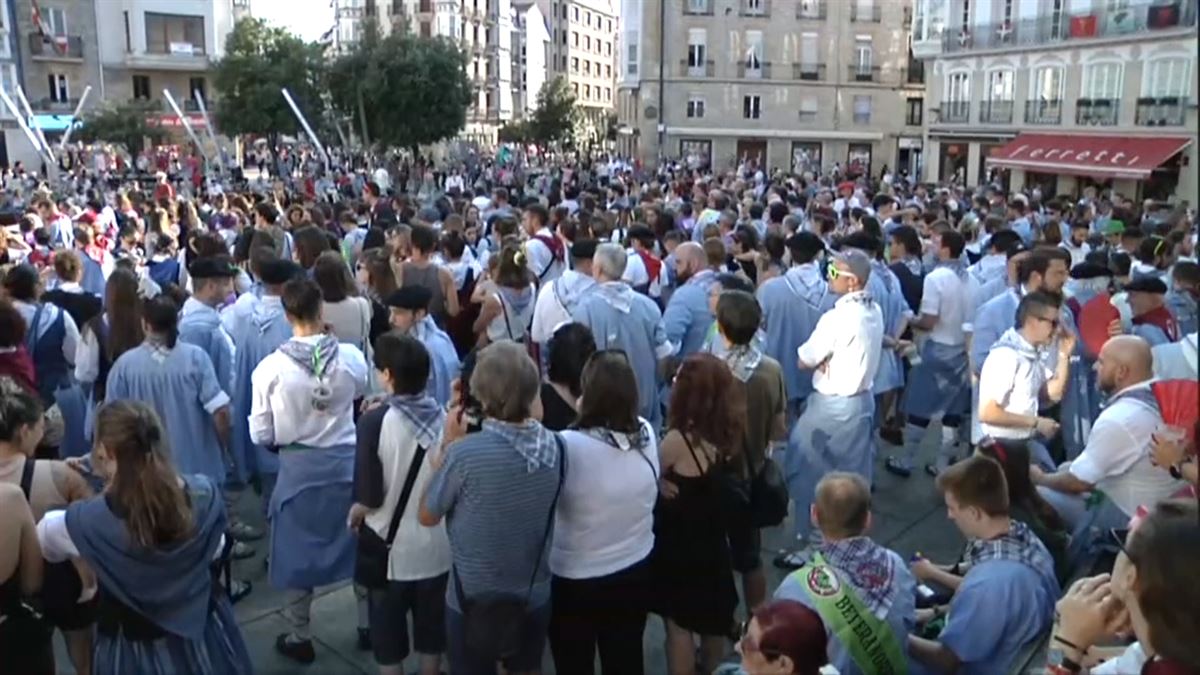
[(871, 643)]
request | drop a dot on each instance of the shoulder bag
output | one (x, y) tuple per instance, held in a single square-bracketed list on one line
[(371, 563)]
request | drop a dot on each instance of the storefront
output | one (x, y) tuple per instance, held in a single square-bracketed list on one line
[(1137, 167)]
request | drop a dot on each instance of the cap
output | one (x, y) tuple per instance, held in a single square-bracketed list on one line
[(1146, 285), (583, 249), (279, 271), (212, 267), (1114, 227), (410, 297), (1087, 270), (858, 262)]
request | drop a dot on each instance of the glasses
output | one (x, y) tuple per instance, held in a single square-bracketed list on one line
[(834, 272), (1119, 535)]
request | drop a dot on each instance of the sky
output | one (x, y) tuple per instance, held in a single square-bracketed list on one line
[(308, 19)]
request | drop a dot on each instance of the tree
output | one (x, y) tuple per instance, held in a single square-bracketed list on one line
[(259, 61), (125, 124), (555, 115), (517, 131), (404, 91)]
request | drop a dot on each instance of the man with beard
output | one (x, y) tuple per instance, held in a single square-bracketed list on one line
[(1103, 487), (410, 316), (687, 317)]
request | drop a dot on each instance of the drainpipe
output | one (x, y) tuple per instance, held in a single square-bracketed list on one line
[(662, 57), (99, 53)]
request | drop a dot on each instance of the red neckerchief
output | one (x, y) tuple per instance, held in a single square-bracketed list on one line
[(653, 265), (1160, 316)]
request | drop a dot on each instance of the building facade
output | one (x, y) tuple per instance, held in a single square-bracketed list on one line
[(801, 85), (531, 43), (583, 50), (1062, 94)]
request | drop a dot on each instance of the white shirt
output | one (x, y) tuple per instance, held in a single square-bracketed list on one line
[(540, 259), (605, 517), (87, 358), (1117, 457), (949, 299), (1014, 384), (418, 552), (1078, 254), (1176, 360), (510, 324), (549, 312), (281, 411), (850, 337), (57, 545)]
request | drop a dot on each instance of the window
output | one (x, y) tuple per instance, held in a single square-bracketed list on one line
[(574, 38), (1007, 15), (695, 107), (587, 92), (810, 9), (1166, 78), (752, 107), (862, 55), (574, 64), (808, 52), (1000, 85), (198, 85), (608, 49), (754, 51), (56, 18), (631, 66), (808, 108), (59, 91), (587, 18), (587, 67), (564, 10), (958, 87), (174, 34), (696, 48), (1102, 81), (1047, 84), (575, 13), (608, 93), (564, 37), (862, 109), (966, 16), (607, 70), (587, 42), (697, 6), (575, 88), (426, 29), (608, 25), (913, 111), (128, 39)]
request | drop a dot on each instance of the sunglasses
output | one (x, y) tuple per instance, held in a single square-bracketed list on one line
[(834, 272)]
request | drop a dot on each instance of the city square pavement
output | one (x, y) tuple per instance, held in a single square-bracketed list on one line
[(907, 516)]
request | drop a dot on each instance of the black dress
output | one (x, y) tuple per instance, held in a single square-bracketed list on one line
[(24, 637), (557, 414), (692, 567)]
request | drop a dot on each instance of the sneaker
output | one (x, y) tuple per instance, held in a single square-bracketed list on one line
[(896, 467), (364, 639), (243, 532), (792, 560), (240, 551), (932, 470), (300, 651), (239, 590)]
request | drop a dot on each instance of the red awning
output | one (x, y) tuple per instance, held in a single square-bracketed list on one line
[(1088, 155)]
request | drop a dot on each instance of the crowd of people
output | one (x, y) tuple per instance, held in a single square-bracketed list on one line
[(522, 412)]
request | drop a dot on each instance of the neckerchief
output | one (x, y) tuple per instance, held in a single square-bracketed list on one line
[(516, 300), (159, 351), (1017, 342), (537, 444), (913, 264), (704, 278), (316, 358), (860, 297), (868, 566), (638, 440), (423, 413), (617, 294), (956, 265), (742, 360), (1019, 544)]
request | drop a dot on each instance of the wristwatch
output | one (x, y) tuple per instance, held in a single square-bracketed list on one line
[(1058, 663), (1176, 470)]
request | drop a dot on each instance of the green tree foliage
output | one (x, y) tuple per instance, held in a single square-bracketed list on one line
[(406, 90), (259, 61), (516, 132), (554, 118), (124, 124)]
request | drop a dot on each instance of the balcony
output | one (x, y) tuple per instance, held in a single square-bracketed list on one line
[(1142, 17), (863, 73), (56, 48), (1170, 111), (754, 8), (1048, 111), (811, 10), (1100, 112), (872, 14), (705, 69), (698, 7), (996, 112), (812, 72), (956, 112), (763, 72), (50, 105)]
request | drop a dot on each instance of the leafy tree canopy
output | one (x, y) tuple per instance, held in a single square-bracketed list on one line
[(411, 91), (555, 115), (124, 124)]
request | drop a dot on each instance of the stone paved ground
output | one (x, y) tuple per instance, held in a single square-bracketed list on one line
[(908, 516)]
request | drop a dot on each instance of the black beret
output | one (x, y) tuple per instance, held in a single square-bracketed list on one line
[(1146, 284), (212, 267), (1087, 270), (584, 249), (279, 271), (410, 297)]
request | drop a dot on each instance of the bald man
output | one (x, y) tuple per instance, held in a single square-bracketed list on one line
[(1102, 487), (877, 577), (687, 317)]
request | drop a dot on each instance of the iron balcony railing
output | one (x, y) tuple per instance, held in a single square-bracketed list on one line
[(863, 73), (814, 72), (1101, 112), (762, 72), (702, 69), (55, 46), (1166, 111), (996, 112), (956, 112), (1045, 111)]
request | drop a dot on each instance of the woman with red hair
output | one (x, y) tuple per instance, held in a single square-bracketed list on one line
[(692, 569), (783, 638)]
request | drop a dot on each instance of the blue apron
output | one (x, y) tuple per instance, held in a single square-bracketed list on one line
[(55, 382), (940, 384), (834, 433), (310, 543)]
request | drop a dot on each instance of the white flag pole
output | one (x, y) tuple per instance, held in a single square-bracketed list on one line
[(74, 118), (307, 129), (187, 125), (43, 146), (16, 112)]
